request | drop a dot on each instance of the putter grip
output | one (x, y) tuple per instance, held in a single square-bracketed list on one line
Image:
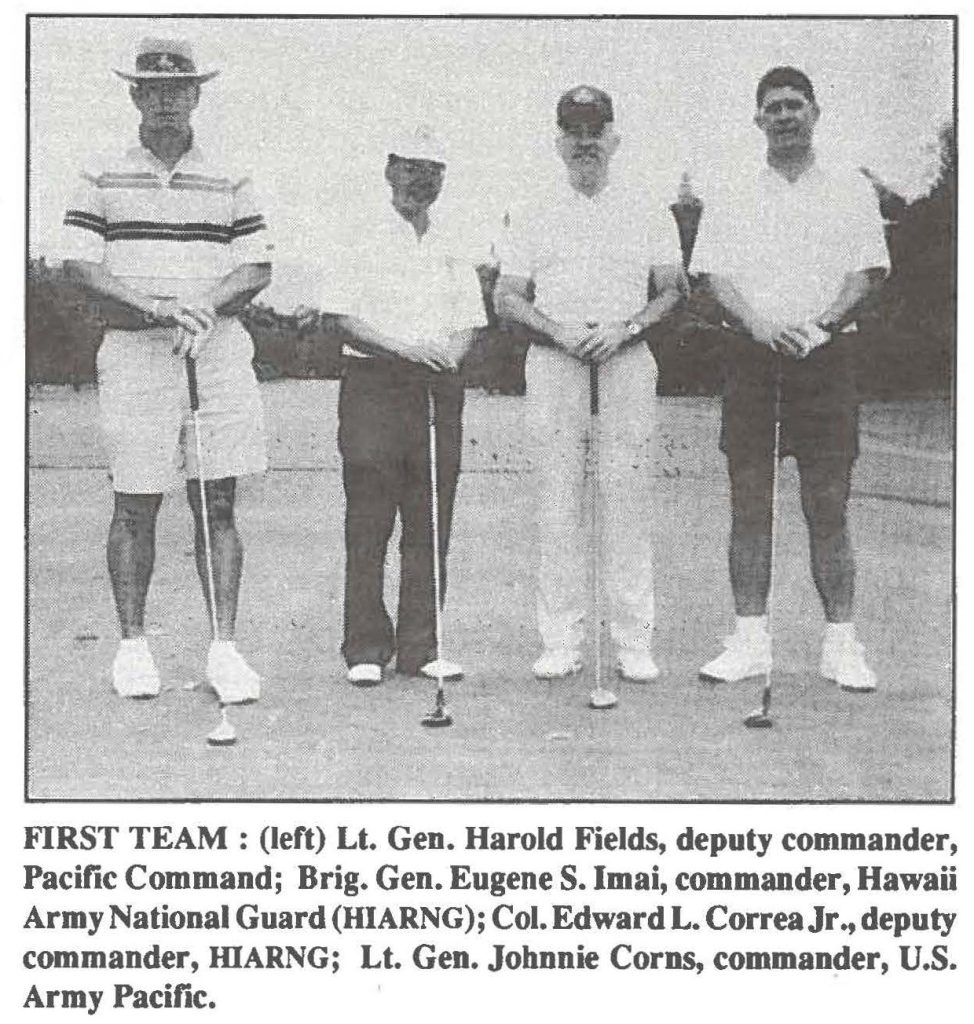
[(194, 395), (593, 388)]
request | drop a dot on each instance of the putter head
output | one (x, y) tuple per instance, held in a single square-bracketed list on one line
[(439, 718), (602, 699), (759, 719)]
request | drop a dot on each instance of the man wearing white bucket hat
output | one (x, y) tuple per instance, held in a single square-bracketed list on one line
[(409, 296), (173, 246)]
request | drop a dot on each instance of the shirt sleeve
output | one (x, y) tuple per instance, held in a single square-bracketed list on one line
[(863, 228), (251, 240), (85, 225)]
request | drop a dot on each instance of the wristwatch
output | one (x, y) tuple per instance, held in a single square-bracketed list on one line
[(634, 328), (825, 324)]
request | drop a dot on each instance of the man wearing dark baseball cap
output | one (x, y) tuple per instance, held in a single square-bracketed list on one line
[(584, 108), (592, 250)]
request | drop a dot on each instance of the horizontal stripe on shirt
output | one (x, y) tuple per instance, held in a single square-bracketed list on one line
[(189, 231)]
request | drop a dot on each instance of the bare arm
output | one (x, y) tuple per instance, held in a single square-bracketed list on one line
[(511, 301), (123, 306), (239, 288), (732, 302), (374, 342), (856, 289), (458, 344), (670, 285)]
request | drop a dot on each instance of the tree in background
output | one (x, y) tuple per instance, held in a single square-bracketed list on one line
[(908, 332)]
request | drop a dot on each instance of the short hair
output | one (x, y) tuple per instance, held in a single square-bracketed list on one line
[(785, 78)]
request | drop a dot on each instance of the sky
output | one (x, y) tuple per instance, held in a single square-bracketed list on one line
[(308, 106)]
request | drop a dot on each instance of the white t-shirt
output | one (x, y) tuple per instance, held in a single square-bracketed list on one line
[(787, 246), (589, 258), (402, 285)]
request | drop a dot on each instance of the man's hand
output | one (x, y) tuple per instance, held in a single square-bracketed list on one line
[(605, 341), (194, 324), (571, 338), (766, 332), (430, 352), (801, 340)]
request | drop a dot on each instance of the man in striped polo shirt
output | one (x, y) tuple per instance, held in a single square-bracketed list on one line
[(172, 246)]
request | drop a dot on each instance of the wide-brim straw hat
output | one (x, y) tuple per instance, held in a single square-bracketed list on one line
[(169, 60)]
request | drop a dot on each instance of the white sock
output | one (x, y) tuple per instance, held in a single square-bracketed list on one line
[(752, 627), (840, 632), (134, 642), (222, 645)]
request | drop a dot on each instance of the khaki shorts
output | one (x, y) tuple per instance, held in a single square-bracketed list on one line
[(145, 416)]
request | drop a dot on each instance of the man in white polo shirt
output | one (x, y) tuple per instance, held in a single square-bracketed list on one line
[(172, 246), (791, 252), (592, 253), (410, 298)]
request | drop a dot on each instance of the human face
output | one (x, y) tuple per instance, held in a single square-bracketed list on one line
[(586, 152), (787, 119), (166, 105), (416, 185)]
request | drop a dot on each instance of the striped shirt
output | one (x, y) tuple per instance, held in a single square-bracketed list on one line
[(164, 231)]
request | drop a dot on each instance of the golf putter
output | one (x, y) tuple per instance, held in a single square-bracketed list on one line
[(224, 735), (761, 718), (601, 699), (439, 717)]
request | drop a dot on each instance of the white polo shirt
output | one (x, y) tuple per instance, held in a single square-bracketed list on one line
[(589, 258), (402, 285), (787, 246), (168, 233)]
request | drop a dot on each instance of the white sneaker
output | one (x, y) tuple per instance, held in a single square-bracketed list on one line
[(134, 673), (365, 674), (637, 666), (743, 657), (844, 662), (233, 679), (557, 663), (449, 671)]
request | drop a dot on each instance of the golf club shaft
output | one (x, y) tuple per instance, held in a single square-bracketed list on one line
[(596, 539), (775, 459), (435, 525), (194, 408)]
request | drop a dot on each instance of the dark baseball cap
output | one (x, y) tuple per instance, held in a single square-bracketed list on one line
[(584, 107)]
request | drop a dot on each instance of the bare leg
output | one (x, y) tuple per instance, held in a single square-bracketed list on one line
[(131, 556), (825, 494), (226, 546)]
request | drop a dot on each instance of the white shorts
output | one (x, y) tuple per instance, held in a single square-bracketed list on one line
[(145, 417)]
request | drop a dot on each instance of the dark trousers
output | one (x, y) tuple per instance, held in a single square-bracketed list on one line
[(383, 437)]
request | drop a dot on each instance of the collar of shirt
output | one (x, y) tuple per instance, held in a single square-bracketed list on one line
[(403, 284), (141, 154), (592, 259)]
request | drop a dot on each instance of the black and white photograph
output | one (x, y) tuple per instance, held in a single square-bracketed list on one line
[(539, 409)]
